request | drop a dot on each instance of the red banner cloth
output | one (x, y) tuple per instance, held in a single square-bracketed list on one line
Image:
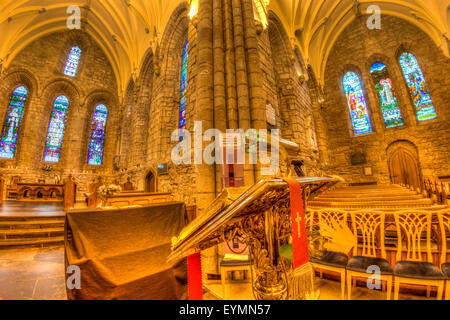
[(298, 224), (195, 286)]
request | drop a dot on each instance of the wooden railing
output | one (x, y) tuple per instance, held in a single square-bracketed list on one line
[(436, 189)]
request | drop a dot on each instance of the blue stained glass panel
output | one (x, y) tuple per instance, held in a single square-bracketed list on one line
[(72, 62), (386, 95), (56, 128), (357, 104), (97, 136), (418, 88), (183, 87), (11, 125)]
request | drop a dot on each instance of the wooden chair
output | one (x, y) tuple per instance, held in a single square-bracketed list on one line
[(411, 225), (332, 261), (444, 225), (227, 265), (368, 226)]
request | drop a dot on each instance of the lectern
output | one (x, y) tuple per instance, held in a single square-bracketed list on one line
[(260, 217)]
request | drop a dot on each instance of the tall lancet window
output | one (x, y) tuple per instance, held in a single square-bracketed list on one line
[(418, 89), (386, 95), (56, 128), (11, 125), (97, 136), (183, 90), (357, 104), (72, 62)]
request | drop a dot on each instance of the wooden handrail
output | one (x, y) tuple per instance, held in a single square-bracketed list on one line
[(437, 191)]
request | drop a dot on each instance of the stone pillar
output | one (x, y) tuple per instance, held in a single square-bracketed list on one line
[(204, 111), (242, 85), (220, 107), (205, 98), (230, 62)]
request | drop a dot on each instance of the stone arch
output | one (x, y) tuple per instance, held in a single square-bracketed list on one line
[(363, 79), (73, 38), (167, 91), (151, 181), (125, 127), (9, 82), (404, 164), (92, 100), (397, 79), (55, 88), (282, 67), (412, 48)]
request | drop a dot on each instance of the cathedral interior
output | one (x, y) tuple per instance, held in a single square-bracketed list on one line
[(112, 111)]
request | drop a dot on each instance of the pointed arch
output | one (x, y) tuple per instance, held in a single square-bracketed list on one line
[(72, 61), (12, 122), (357, 103), (97, 135), (183, 85), (418, 88), (56, 129), (386, 95)]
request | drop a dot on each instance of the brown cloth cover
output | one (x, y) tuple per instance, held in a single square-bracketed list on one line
[(122, 253)]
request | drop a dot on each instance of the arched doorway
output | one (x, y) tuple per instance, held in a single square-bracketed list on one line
[(150, 182), (404, 168)]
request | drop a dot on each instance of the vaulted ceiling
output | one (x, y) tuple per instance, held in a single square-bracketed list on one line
[(126, 29)]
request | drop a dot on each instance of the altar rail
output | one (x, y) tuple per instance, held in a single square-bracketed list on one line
[(390, 240)]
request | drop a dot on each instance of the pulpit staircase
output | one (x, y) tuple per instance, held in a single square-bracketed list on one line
[(381, 197), (30, 225)]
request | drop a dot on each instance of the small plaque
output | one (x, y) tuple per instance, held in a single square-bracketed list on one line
[(162, 169), (368, 171)]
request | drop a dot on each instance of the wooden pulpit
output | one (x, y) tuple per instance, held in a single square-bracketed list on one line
[(260, 217)]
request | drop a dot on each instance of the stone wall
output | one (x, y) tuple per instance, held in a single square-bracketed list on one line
[(357, 49), (40, 68)]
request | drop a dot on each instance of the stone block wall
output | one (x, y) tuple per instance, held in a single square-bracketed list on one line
[(40, 67), (356, 49)]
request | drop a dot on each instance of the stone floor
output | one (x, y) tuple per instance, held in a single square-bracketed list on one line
[(38, 274), (32, 273)]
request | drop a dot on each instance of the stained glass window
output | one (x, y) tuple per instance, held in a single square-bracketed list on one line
[(183, 90), (418, 88), (11, 125), (357, 104), (72, 62), (386, 95), (97, 136), (56, 128)]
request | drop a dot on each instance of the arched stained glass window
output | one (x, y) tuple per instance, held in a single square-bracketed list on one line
[(418, 89), (72, 61), (357, 104), (11, 125), (183, 89), (97, 136), (386, 95), (56, 128)]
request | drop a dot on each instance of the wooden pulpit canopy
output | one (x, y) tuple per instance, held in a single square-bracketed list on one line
[(233, 205)]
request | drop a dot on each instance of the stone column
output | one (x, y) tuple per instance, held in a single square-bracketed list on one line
[(230, 62), (220, 107), (242, 85), (204, 110)]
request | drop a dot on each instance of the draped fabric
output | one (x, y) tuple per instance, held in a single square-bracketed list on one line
[(122, 253)]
